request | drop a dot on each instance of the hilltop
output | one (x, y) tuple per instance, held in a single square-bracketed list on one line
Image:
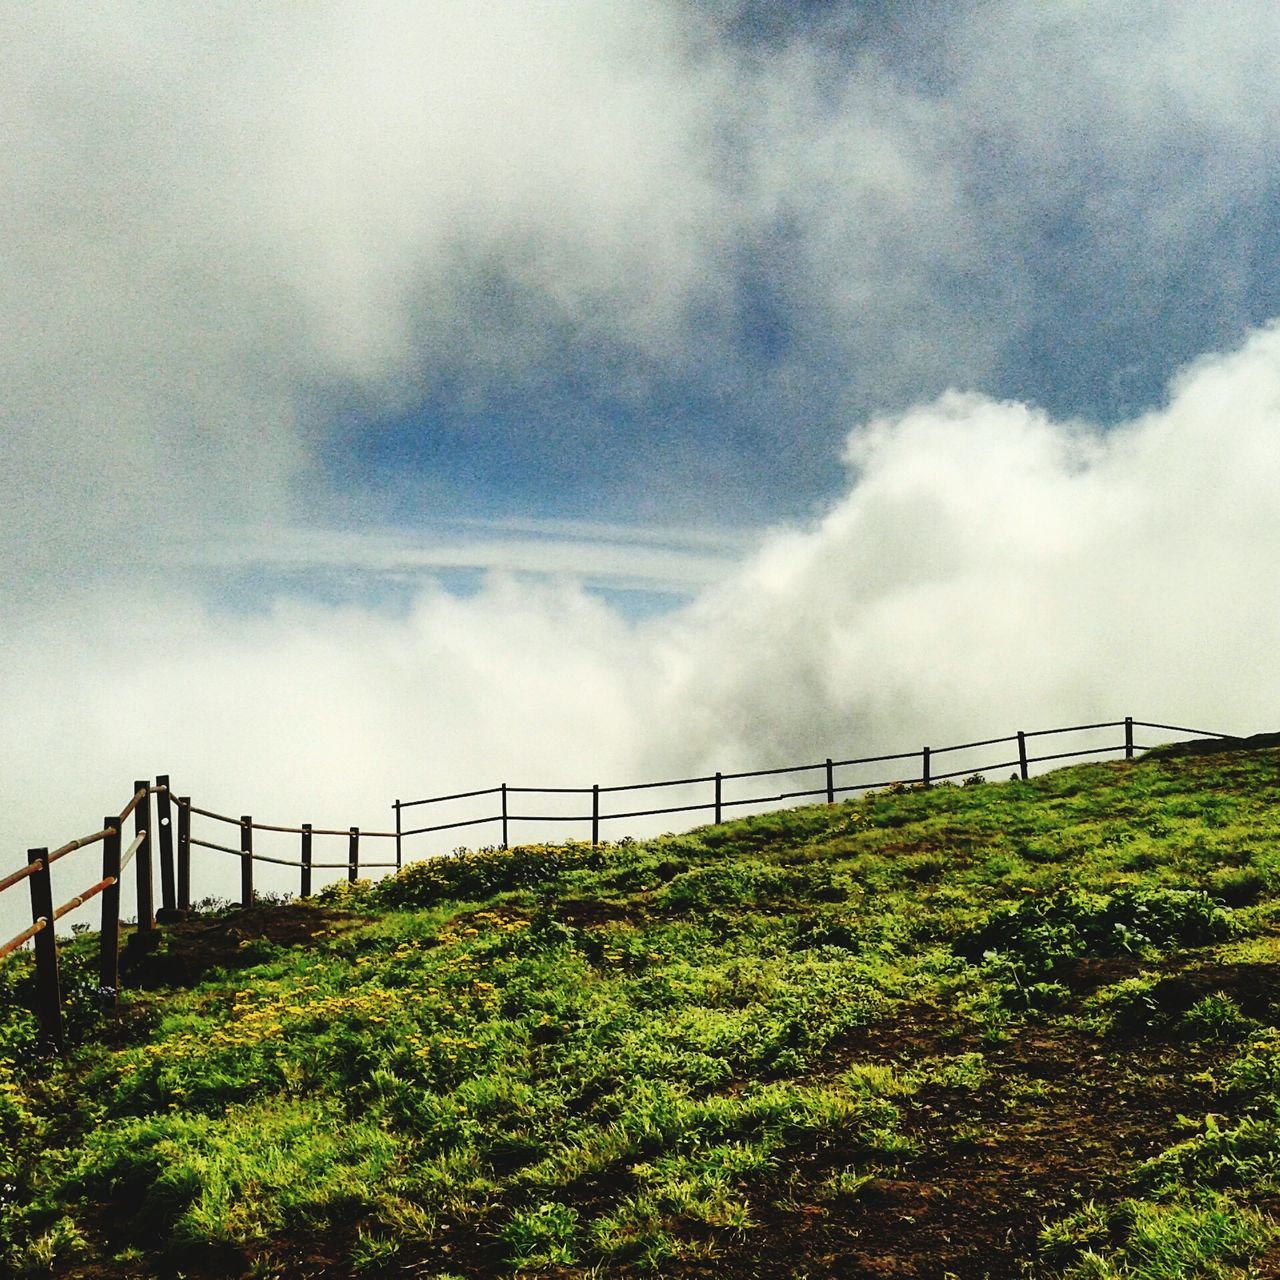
[(1022, 1029)]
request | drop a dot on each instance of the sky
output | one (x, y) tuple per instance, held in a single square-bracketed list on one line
[(407, 397)]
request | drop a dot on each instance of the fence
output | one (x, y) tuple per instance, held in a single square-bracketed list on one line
[(924, 759), (175, 871)]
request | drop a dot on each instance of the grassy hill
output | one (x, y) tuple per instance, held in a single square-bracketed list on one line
[(1004, 1030)]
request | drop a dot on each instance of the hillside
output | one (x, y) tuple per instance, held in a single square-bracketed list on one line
[(1020, 1029)]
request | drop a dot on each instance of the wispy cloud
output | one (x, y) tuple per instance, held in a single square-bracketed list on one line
[(616, 557)]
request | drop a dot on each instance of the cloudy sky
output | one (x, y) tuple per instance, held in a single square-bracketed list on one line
[(401, 397)]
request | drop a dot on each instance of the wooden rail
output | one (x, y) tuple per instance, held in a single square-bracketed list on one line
[(175, 875)]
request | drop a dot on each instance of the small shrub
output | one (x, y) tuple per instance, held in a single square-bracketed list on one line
[(1218, 1018), (1070, 923), (543, 1235)]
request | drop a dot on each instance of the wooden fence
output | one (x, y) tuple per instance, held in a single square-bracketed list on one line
[(919, 766)]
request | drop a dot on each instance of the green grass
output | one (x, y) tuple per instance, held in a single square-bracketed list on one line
[(1034, 1020)]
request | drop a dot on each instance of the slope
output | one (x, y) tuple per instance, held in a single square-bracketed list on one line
[(991, 1030)]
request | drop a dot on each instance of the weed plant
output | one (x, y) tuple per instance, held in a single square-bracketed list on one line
[(664, 1055)]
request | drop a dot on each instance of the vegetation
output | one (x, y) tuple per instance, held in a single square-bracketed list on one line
[(1013, 1030)]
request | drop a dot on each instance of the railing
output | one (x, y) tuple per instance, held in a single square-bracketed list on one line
[(923, 761), (44, 915), (175, 874)]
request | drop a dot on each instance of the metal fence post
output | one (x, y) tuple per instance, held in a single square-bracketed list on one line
[(353, 855), (168, 894), (1128, 737), (399, 858), (831, 782), (1022, 755), (595, 814), (109, 937), (246, 860), (925, 775), (48, 1008), (142, 860), (184, 853), (306, 859), (719, 806), (504, 815)]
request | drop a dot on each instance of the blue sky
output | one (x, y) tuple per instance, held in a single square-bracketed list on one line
[(635, 365)]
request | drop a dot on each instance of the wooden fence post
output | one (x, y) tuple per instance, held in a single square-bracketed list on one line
[(504, 815), (184, 853), (831, 782), (306, 859), (926, 777), (595, 814), (353, 855), (109, 937), (164, 824), (246, 860), (1128, 737), (1022, 755), (719, 806), (142, 859), (48, 1009)]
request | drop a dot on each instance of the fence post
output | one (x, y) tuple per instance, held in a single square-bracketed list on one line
[(504, 815), (595, 814), (164, 824), (142, 859), (1128, 737), (926, 778), (184, 853), (831, 782), (719, 807), (353, 855), (399, 860), (306, 859), (246, 860), (109, 937), (48, 998), (1022, 755)]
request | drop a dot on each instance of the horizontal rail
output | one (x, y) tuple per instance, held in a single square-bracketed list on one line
[(209, 813), (289, 831), (969, 746), (1070, 755), (461, 795), (653, 813), (17, 877), (287, 862), (127, 856), (450, 826), (774, 773), (322, 831), (1075, 728), (551, 817), (25, 936), (81, 898), (138, 797), (72, 845), (1200, 733), (669, 782), (786, 795), (549, 791)]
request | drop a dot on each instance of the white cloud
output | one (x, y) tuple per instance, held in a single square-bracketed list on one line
[(988, 569)]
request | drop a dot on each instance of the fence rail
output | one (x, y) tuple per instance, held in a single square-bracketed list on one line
[(175, 873), (717, 803)]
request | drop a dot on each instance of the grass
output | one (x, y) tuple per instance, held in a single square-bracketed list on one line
[(1025, 1029)]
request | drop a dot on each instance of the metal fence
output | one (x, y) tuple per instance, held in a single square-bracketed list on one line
[(824, 780)]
